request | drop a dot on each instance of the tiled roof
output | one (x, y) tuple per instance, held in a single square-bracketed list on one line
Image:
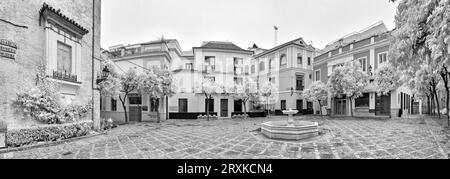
[(221, 45), (47, 8), (298, 41)]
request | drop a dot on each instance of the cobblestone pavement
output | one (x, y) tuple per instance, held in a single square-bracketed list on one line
[(230, 139)]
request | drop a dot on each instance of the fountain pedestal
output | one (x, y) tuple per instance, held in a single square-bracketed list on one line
[(290, 129)]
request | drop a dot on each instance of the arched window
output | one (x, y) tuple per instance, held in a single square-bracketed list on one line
[(261, 66), (283, 61), (271, 64)]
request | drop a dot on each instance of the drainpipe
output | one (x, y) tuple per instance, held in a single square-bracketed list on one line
[(93, 63)]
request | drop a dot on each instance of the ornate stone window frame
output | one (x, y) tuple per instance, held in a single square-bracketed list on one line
[(61, 29)]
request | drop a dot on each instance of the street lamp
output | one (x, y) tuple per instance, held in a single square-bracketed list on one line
[(104, 75)]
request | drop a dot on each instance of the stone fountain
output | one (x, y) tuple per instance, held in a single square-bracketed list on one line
[(290, 129)]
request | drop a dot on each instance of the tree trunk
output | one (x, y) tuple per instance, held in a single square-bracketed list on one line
[(351, 107), (437, 103), (320, 108), (207, 108), (444, 75), (429, 105), (268, 111), (158, 117), (124, 107), (245, 110)]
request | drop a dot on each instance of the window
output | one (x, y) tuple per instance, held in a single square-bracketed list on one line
[(309, 106), (363, 62), (238, 61), (210, 63), (300, 86), (213, 79), (299, 59), (237, 106), (382, 57), (272, 80), (309, 61), (299, 104), (362, 101), (283, 61), (283, 104), (189, 66), (253, 69), (318, 75), (271, 64), (64, 60), (261, 67), (211, 105), (238, 81), (154, 104), (135, 100), (183, 105), (113, 104)]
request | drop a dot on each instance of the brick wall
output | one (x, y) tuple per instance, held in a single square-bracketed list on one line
[(19, 22)]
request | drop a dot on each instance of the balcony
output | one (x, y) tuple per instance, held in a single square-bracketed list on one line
[(300, 88), (209, 69), (64, 76)]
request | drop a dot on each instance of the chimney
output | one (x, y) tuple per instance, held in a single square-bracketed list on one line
[(276, 35)]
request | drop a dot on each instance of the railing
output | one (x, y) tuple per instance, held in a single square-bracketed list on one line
[(300, 88), (64, 76)]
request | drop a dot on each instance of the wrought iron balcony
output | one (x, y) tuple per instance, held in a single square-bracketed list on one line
[(64, 76), (300, 88)]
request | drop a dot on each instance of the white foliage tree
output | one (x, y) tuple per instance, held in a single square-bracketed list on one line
[(209, 88), (268, 91), (317, 92), (245, 92), (348, 80), (387, 79)]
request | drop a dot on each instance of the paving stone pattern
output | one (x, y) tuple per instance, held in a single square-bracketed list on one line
[(340, 138)]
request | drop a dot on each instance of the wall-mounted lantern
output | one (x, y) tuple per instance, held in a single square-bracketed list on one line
[(104, 75)]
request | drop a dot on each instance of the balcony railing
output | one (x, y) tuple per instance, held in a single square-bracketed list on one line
[(64, 76), (300, 88)]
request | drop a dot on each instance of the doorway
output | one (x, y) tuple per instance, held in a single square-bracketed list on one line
[(383, 105), (135, 114), (224, 108), (340, 107)]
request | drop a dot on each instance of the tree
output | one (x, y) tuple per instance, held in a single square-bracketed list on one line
[(268, 91), (317, 92), (421, 37), (167, 86), (348, 80), (245, 92), (209, 88), (157, 84), (121, 85), (386, 79)]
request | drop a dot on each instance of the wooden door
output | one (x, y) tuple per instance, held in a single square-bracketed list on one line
[(383, 105), (135, 114), (224, 108)]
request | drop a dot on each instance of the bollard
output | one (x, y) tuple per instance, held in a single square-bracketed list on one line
[(3, 129)]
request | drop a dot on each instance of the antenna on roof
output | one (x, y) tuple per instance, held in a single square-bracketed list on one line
[(276, 34)]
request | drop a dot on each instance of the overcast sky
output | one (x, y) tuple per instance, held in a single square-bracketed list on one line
[(242, 22)]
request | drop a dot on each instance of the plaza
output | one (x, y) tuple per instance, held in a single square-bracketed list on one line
[(340, 138)]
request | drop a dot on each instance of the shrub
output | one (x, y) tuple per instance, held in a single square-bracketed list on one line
[(240, 116), (21, 137), (211, 117), (107, 124), (42, 103)]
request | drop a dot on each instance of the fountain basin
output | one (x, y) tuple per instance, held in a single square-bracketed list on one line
[(296, 130)]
